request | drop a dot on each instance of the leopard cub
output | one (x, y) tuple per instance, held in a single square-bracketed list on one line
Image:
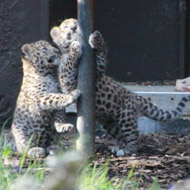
[(116, 108), (39, 99), (65, 37)]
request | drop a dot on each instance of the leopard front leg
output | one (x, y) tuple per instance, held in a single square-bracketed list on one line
[(53, 101), (61, 124), (68, 68), (96, 41)]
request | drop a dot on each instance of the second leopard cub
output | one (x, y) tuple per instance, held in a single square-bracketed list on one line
[(39, 99), (117, 108), (65, 37)]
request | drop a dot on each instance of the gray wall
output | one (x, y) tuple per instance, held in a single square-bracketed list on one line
[(21, 21)]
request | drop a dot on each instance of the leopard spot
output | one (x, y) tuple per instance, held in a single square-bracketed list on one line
[(109, 96), (101, 109), (108, 105), (98, 102), (107, 89)]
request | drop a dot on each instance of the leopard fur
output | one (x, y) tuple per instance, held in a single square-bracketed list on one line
[(39, 99), (117, 108)]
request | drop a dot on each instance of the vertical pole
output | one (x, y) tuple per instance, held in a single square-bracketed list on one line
[(86, 81)]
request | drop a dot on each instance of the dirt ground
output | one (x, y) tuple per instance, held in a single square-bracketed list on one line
[(166, 158)]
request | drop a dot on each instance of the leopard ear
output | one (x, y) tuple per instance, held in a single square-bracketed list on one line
[(26, 51), (55, 32), (69, 23)]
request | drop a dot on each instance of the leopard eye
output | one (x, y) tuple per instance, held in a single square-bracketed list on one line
[(23, 54), (73, 28), (51, 59)]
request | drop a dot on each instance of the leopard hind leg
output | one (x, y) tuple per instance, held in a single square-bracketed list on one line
[(125, 130)]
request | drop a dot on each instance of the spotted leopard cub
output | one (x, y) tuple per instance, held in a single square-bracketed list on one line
[(38, 99), (65, 37), (117, 108)]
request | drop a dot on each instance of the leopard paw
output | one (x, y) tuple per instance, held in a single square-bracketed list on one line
[(119, 152), (75, 94), (36, 152), (96, 41), (64, 127), (76, 49)]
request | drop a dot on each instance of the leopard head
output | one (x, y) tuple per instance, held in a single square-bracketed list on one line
[(41, 55), (65, 34)]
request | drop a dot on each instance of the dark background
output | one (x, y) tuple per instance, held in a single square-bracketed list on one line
[(147, 39)]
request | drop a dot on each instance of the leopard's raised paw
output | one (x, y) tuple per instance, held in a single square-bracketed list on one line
[(96, 40), (76, 48)]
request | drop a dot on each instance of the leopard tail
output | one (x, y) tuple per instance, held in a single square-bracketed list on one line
[(152, 111)]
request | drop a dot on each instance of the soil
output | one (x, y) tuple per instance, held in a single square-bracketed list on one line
[(166, 158)]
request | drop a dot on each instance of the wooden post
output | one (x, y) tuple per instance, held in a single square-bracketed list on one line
[(86, 81)]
